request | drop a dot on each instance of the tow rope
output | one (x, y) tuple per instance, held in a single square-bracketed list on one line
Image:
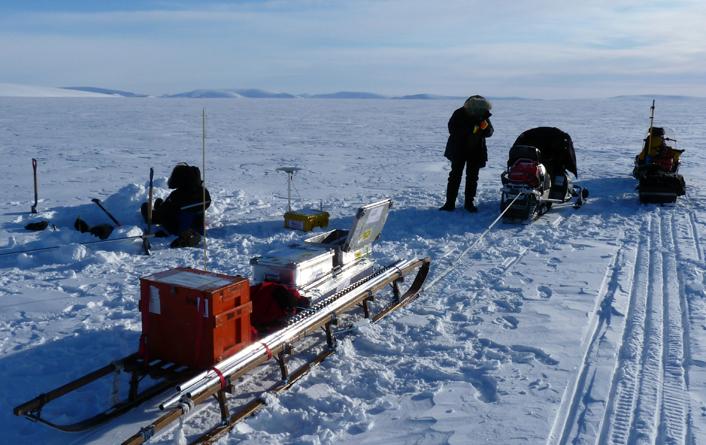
[(475, 243)]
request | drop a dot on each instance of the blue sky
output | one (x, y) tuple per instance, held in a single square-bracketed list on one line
[(540, 48)]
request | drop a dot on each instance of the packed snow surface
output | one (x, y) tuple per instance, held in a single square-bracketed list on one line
[(586, 326)]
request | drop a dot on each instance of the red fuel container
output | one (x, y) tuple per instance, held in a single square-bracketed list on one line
[(193, 317)]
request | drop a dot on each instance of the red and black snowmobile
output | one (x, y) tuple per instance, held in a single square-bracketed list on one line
[(537, 174)]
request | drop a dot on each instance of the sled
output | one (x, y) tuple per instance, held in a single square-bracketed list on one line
[(216, 309), (656, 167)]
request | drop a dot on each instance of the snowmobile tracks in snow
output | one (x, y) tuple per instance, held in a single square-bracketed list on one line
[(632, 386)]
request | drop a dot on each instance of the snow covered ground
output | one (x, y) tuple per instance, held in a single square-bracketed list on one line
[(587, 326)]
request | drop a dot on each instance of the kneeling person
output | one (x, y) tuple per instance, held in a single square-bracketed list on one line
[(182, 213)]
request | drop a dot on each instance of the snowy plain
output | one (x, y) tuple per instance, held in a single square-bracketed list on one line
[(587, 326)]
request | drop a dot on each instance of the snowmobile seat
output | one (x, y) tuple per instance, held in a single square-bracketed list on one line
[(528, 152)]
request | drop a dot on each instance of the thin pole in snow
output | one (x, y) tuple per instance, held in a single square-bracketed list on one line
[(203, 185)]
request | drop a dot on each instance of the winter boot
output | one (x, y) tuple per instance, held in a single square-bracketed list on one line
[(470, 207), (81, 225), (448, 207)]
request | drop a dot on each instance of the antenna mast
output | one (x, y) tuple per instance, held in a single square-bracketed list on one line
[(649, 135)]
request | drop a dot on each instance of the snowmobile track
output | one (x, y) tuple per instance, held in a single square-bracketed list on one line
[(579, 408), (675, 399), (687, 248), (649, 400), (625, 389), (695, 235)]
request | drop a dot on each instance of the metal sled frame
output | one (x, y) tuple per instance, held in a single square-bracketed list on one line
[(280, 344), (167, 373), (657, 197), (533, 203), (193, 388), (655, 194)]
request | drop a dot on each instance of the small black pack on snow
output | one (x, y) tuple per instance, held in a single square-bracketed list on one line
[(102, 231), (37, 226)]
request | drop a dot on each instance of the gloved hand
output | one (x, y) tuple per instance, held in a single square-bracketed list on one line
[(481, 126)]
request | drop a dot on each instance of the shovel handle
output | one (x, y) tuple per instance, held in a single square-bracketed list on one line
[(34, 171)]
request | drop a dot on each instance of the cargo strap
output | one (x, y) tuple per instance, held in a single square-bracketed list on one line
[(268, 351), (221, 377)]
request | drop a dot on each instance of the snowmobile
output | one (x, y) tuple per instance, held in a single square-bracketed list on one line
[(656, 169), (537, 174), (197, 335)]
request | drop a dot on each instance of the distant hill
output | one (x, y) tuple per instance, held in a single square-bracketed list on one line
[(17, 90), (261, 94), (654, 96), (229, 93), (425, 96), (511, 98), (206, 94), (20, 90), (348, 95), (107, 91)]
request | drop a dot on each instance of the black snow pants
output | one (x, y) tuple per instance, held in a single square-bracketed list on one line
[(455, 181)]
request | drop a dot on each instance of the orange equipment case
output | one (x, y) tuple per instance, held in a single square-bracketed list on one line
[(193, 317)]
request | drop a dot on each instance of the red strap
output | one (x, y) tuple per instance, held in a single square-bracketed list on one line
[(268, 351), (221, 377)]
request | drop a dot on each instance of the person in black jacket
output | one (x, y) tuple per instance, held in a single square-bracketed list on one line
[(182, 213), (469, 126)]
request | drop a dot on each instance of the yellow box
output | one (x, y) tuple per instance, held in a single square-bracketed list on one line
[(305, 219)]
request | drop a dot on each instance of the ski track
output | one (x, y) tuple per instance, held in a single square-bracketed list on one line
[(621, 406), (581, 410), (687, 249), (673, 423), (649, 400)]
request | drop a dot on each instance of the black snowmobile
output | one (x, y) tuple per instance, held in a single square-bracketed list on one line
[(656, 169), (537, 174)]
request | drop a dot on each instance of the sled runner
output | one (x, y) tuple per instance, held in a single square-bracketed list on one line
[(196, 326), (537, 174)]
